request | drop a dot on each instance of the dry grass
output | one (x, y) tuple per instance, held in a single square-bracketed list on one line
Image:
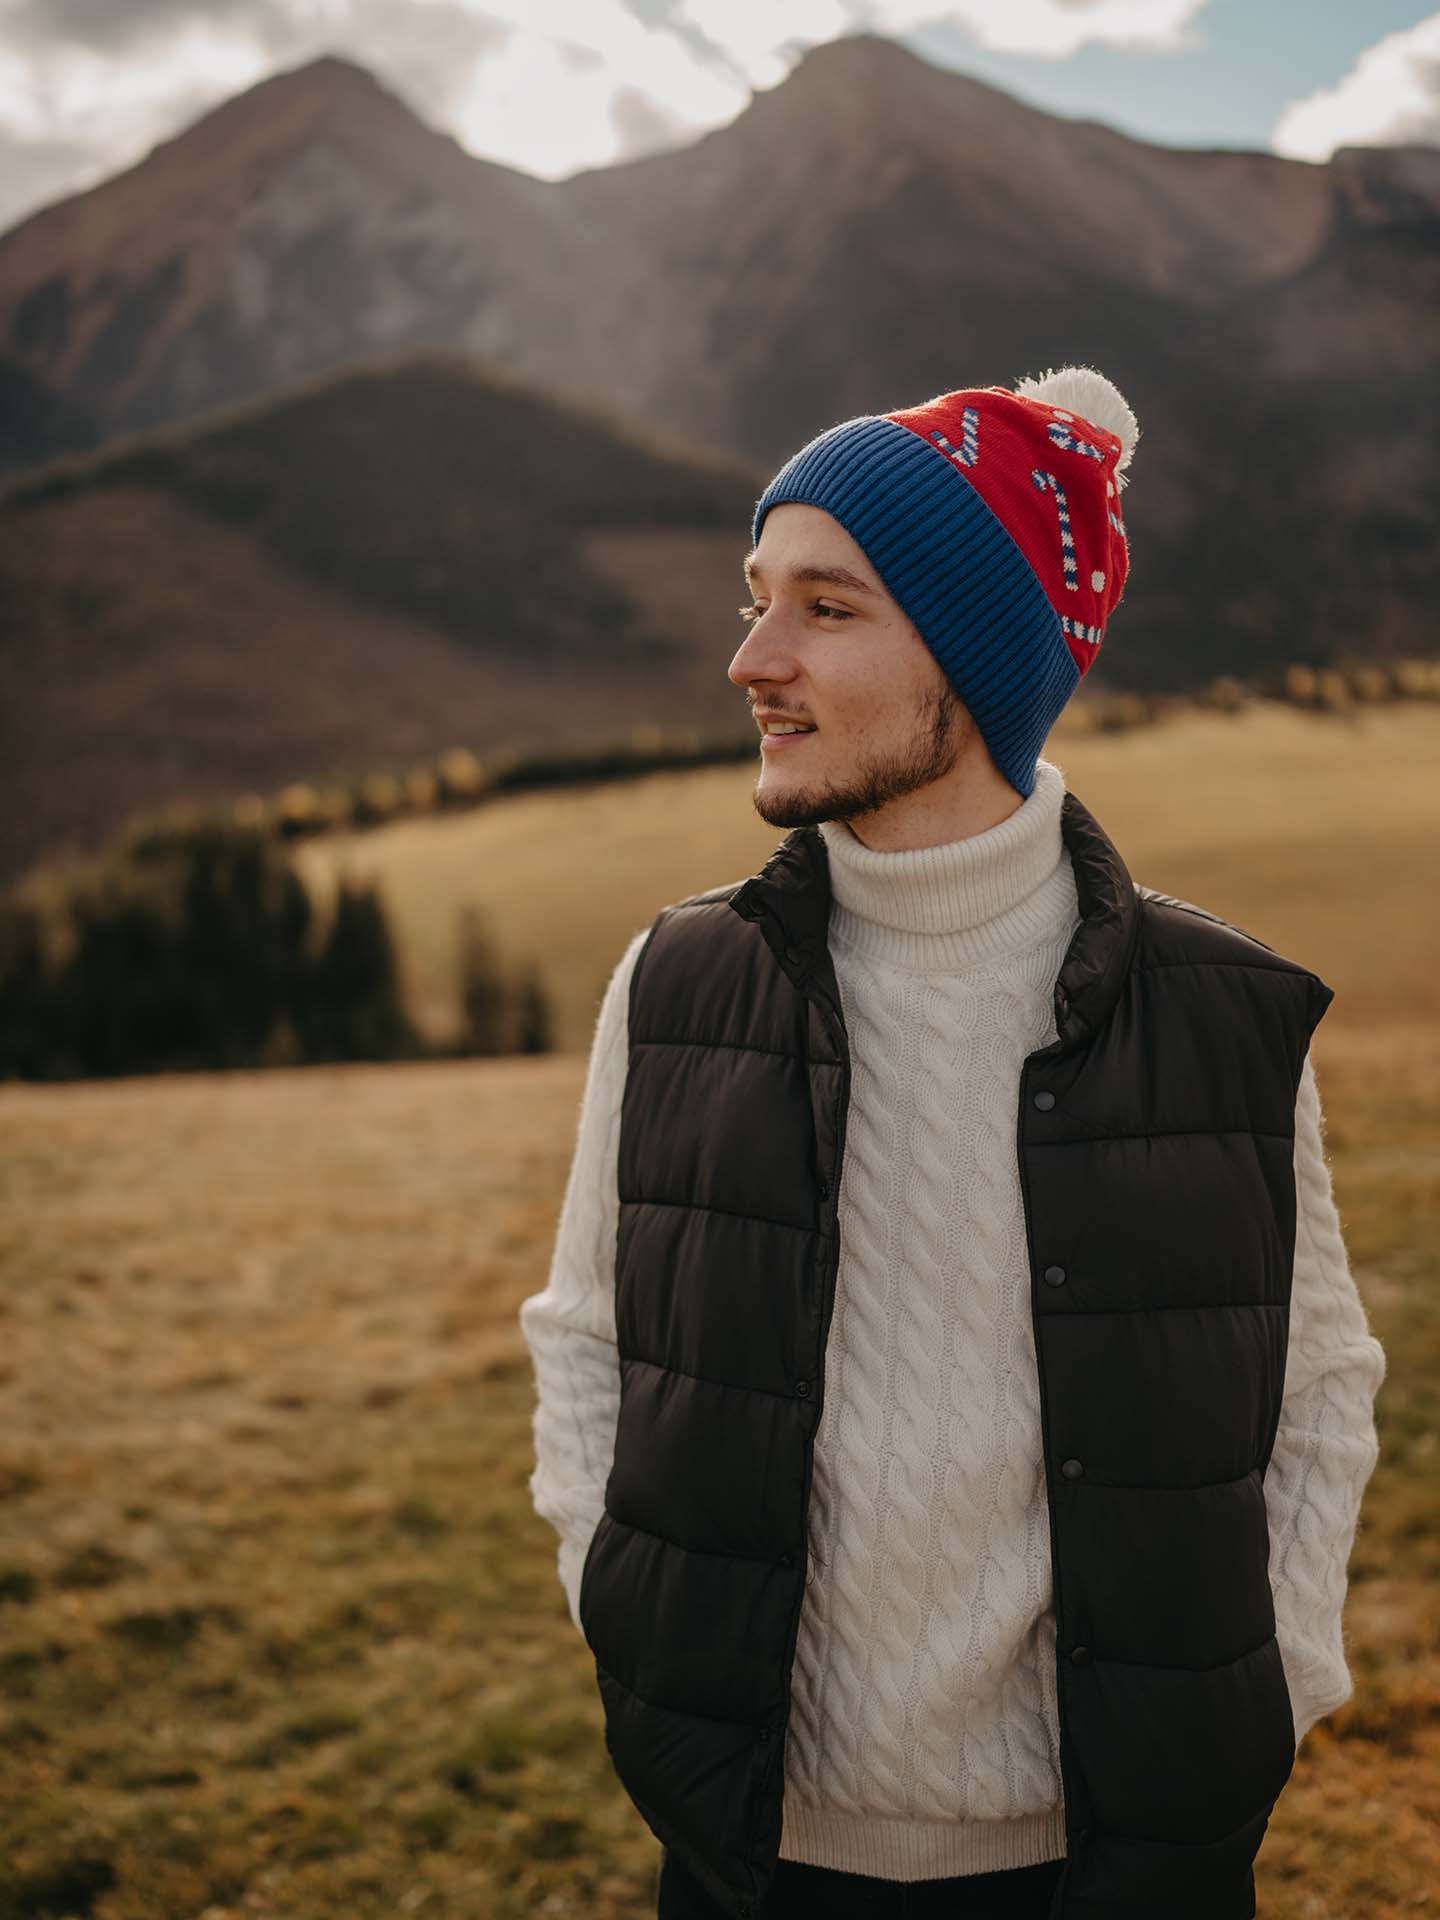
[(282, 1630), (279, 1629), (1303, 828)]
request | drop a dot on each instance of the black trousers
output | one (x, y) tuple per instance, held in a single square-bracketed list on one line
[(798, 1892)]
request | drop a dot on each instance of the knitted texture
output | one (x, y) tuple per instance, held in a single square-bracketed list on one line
[(570, 1326), (923, 1716), (993, 520), (923, 1736), (1326, 1446), (953, 567)]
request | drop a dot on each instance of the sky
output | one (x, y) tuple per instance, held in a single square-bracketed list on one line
[(552, 87)]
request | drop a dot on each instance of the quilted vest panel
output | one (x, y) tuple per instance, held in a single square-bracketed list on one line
[(1155, 1146)]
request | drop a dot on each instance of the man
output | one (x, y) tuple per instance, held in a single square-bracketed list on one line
[(954, 1401)]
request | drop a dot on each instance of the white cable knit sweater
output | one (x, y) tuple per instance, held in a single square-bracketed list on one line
[(923, 1735)]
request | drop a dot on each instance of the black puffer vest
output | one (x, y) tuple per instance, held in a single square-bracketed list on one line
[(1155, 1142)]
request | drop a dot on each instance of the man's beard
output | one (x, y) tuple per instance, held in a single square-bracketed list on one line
[(934, 751)]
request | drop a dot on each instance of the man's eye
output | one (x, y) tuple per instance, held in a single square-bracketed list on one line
[(816, 606)]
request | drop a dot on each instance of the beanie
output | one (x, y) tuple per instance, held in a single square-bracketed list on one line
[(993, 519)]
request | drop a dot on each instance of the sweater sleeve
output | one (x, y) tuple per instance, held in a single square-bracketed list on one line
[(569, 1326), (1326, 1445)]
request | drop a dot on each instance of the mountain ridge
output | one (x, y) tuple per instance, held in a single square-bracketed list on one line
[(315, 217), (870, 231)]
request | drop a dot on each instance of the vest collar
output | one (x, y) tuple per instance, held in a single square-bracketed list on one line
[(790, 898)]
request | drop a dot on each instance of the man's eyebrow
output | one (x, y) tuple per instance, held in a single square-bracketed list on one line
[(826, 576)]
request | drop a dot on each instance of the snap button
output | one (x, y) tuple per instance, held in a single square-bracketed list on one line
[(802, 1387), (1071, 1469), (1044, 1100), (764, 1733), (1054, 1276), (792, 954), (824, 1188), (1083, 1837), (787, 1560), (1080, 1656)]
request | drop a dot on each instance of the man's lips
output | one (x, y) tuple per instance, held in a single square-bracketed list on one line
[(767, 717)]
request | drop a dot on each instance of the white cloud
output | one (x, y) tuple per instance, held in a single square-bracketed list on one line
[(546, 85), (88, 86), (78, 92), (71, 115), (762, 38), (1390, 97), (533, 105), (1051, 29), (764, 42)]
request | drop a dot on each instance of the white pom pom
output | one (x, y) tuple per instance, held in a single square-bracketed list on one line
[(1086, 391)]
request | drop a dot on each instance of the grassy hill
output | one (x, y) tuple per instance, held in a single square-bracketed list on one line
[(1303, 828), (416, 554), (279, 1629)]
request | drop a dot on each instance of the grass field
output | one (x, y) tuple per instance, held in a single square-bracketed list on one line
[(279, 1630), (1301, 827)]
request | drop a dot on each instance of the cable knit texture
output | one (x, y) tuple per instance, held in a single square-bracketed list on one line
[(923, 1738)]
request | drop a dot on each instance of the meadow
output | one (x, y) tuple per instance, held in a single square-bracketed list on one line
[(1309, 828), (279, 1629)]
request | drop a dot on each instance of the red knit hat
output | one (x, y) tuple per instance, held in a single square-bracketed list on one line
[(1052, 474), (993, 519)]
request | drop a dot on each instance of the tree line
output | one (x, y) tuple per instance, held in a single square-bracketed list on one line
[(198, 946)]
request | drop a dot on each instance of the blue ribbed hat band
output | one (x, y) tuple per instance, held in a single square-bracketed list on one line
[(948, 560)]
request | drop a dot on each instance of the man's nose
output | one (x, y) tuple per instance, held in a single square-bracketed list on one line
[(762, 654)]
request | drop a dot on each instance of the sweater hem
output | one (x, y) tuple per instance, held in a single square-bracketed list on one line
[(918, 1849)]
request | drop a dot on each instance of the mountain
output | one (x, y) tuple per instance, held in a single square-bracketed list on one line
[(308, 221), (383, 564), (870, 231), (875, 230), (872, 228)]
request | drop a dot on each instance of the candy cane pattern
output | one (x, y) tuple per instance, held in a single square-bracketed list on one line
[(1080, 630), (1067, 539), (1063, 437), (968, 451)]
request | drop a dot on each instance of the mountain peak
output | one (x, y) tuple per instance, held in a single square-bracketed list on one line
[(867, 60), (328, 92), (329, 83), (856, 50), (327, 73), (892, 84)]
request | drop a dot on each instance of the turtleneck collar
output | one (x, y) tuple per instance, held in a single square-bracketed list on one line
[(968, 900)]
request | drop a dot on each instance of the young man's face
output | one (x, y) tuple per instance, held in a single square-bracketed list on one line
[(840, 656)]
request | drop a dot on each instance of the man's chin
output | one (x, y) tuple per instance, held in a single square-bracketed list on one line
[(798, 806)]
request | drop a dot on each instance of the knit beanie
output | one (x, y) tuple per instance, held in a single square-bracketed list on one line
[(993, 519)]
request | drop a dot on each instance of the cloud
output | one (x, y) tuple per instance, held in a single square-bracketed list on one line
[(535, 105), (45, 169), (1051, 29), (763, 40), (641, 123), (100, 24), (87, 87), (1390, 97), (104, 110), (80, 98), (550, 86)]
